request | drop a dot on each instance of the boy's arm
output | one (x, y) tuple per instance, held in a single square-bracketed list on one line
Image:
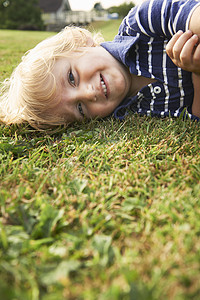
[(184, 50), (160, 18), (194, 24), (196, 99), (184, 47)]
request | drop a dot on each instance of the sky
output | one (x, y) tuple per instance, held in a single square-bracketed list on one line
[(89, 4)]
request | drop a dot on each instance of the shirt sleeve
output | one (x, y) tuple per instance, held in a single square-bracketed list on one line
[(158, 18)]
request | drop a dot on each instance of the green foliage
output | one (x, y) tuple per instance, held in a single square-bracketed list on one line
[(98, 6), (20, 14), (122, 9), (103, 210)]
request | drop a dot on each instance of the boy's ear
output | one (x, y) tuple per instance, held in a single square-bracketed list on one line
[(90, 42)]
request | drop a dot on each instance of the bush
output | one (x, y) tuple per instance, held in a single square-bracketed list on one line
[(20, 14)]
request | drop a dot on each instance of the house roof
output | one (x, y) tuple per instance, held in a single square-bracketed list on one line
[(50, 6)]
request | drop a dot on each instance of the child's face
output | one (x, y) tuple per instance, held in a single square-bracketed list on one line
[(90, 85)]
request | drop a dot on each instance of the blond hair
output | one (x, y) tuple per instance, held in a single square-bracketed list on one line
[(29, 94)]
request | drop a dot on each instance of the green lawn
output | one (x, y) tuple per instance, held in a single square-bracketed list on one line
[(108, 210)]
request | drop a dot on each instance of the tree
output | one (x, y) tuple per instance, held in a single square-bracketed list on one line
[(20, 14), (98, 6), (122, 9)]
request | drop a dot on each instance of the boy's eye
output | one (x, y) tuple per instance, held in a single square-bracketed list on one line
[(71, 78), (80, 109)]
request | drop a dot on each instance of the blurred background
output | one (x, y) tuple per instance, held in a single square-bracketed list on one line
[(53, 15)]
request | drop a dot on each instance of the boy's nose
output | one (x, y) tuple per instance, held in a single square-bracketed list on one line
[(89, 93)]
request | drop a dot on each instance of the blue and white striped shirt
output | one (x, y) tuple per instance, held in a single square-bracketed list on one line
[(141, 46)]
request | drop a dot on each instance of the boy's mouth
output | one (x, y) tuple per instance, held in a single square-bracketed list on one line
[(104, 87)]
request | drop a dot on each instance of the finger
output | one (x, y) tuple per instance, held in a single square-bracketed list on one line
[(188, 49), (180, 43), (171, 43)]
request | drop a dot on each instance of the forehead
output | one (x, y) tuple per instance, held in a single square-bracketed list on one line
[(61, 64), (81, 54)]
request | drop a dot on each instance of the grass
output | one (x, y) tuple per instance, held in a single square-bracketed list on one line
[(109, 29), (109, 210)]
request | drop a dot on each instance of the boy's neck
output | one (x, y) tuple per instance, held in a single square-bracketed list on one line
[(138, 82)]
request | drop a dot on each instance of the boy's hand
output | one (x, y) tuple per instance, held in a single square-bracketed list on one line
[(184, 51)]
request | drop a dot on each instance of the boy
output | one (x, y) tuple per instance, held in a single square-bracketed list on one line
[(70, 77)]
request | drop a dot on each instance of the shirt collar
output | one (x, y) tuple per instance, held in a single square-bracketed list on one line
[(120, 46)]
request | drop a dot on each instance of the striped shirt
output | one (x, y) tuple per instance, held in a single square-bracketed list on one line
[(141, 46)]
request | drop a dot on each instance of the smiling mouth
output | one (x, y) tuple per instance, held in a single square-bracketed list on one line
[(104, 86)]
